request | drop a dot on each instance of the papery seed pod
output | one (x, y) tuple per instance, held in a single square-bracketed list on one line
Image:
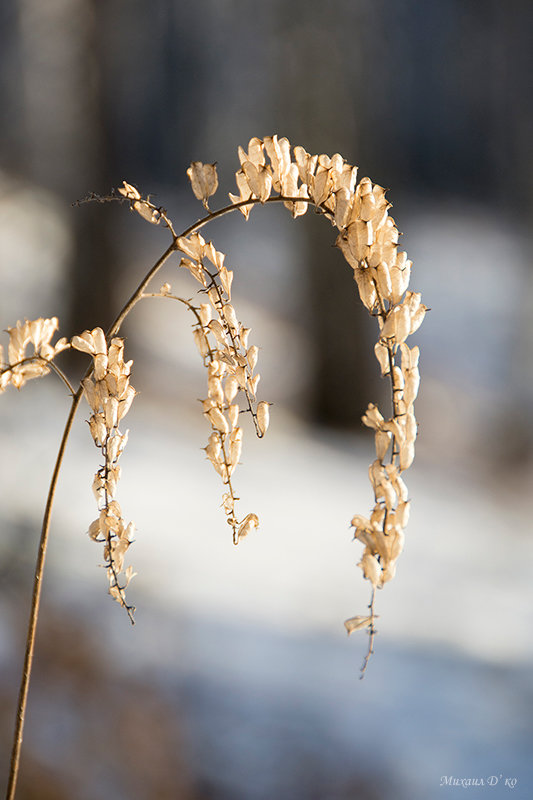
[(394, 543), (233, 414), (216, 328), (228, 503), (97, 485), (95, 530), (236, 435), (83, 343), (110, 412), (412, 382), (90, 393), (243, 336), (99, 341), (263, 416), (409, 425), (371, 569), (231, 387), (213, 446), (195, 268), (383, 440), (366, 286), (201, 342), (303, 160), (98, 429), (300, 208), (383, 356), (235, 450), (100, 366), (244, 193), (205, 314), (358, 622), (113, 448), (209, 252), (111, 484), (264, 183), (111, 384), (407, 455), (226, 279), (343, 201), (125, 403), (249, 524), (372, 417), (285, 151), (361, 237), (393, 426), (398, 482), (255, 152), (368, 201), (289, 184), (240, 374), (322, 184), (389, 571), (384, 280), (251, 356), (417, 319), (192, 246), (252, 383), (214, 389), (402, 513), (398, 381), (204, 180), (129, 191), (363, 531), (377, 516), (217, 368), (218, 420), (230, 316)]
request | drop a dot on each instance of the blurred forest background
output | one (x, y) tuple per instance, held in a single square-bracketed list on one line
[(432, 99)]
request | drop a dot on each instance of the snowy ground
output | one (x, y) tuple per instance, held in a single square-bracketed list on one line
[(250, 639)]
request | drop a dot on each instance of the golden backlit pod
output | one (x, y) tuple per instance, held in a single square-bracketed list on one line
[(204, 180)]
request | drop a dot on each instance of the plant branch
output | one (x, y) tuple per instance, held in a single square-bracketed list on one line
[(35, 603)]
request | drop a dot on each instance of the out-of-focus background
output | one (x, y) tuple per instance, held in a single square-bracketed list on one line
[(238, 681)]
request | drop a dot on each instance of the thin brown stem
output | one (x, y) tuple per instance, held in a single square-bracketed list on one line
[(35, 603), (371, 634)]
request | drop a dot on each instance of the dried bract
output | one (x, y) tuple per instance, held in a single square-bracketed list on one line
[(204, 180)]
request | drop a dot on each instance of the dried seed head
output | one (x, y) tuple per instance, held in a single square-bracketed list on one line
[(263, 416), (204, 180)]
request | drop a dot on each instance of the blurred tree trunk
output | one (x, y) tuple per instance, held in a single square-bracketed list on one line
[(320, 95), (65, 141)]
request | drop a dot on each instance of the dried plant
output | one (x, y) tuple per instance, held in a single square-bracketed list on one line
[(368, 239)]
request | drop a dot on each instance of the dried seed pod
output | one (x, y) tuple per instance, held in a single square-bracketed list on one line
[(218, 420), (249, 524), (204, 180), (233, 414), (358, 622), (263, 416), (231, 387)]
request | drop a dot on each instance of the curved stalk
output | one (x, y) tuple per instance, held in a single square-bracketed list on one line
[(35, 603)]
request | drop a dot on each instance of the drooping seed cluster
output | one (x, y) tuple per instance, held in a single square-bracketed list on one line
[(222, 342), (22, 366), (368, 238), (109, 393)]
